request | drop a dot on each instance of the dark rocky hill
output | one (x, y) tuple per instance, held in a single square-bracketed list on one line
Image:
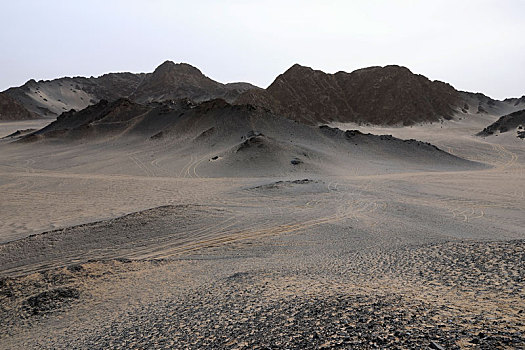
[(10, 109), (378, 95), (172, 81), (390, 95), (510, 122)]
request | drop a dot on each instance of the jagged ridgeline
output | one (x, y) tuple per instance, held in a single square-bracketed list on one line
[(390, 95), (169, 81)]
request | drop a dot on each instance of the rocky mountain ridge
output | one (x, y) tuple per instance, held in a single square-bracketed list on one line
[(387, 95), (50, 98), (390, 95)]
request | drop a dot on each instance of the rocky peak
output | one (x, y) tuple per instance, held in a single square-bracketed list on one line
[(298, 73), (172, 81), (176, 70), (298, 69), (378, 95)]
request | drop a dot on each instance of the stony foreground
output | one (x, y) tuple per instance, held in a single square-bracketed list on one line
[(449, 295)]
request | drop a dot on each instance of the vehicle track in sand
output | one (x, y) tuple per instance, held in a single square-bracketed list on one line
[(250, 215), (254, 216)]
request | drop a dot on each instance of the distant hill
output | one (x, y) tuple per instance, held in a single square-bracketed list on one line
[(50, 98), (172, 81), (10, 109), (516, 101), (390, 95), (478, 103), (378, 95)]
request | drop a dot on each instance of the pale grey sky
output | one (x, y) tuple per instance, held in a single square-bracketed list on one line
[(473, 45)]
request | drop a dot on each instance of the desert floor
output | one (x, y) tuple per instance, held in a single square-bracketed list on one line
[(142, 257)]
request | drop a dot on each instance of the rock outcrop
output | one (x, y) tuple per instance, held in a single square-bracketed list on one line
[(510, 122)]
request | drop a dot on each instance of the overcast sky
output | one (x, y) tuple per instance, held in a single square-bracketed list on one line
[(473, 45)]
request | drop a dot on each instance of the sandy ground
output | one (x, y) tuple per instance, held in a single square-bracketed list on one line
[(7, 128), (370, 259)]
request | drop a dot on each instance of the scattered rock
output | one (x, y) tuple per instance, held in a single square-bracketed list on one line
[(158, 135), (51, 300), (436, 346)]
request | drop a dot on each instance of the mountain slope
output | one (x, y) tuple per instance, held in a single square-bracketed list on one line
[(169, 81), (390, 95), (378, 95), (10, 109), (215, 139), (172, 81), (50, 98), (479, 103), (514, 121)]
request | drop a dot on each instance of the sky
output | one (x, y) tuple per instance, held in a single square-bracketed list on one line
[(476, 46)]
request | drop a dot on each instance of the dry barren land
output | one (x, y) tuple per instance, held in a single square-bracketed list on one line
[(105, 246)]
